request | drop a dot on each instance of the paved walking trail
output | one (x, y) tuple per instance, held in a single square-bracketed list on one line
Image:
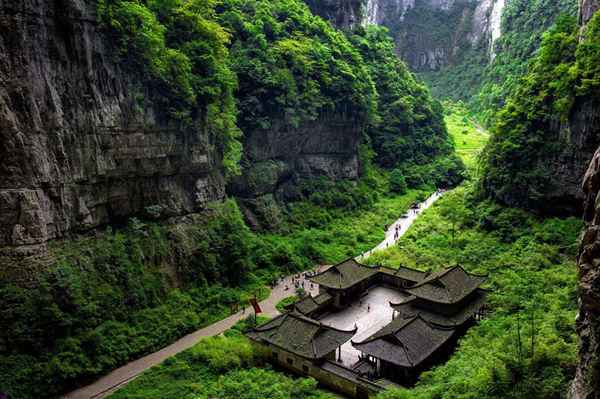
[(403, 224), (121, 376)]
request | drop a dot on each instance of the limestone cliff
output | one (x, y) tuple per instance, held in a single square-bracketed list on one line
[(82, 144), (432, 34), (277, 158), (77, 149), (587, 380), (343, 14), (587, 9)]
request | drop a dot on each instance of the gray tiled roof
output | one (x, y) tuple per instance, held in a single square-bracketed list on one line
[(310, 304), (406, 342), (344, 275), (300, 335), (404, 272), (409, 309), (447, 286)]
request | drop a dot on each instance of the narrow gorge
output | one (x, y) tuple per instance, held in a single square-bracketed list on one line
[(164, 164)]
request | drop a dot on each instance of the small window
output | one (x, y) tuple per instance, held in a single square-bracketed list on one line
[(305, 369), (274, 355), (290, 361)]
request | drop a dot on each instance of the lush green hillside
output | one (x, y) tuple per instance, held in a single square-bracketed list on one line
[(224, 367), (535, 135), (409, 134), (249, 63), (531, 265), (485, 85), (469, 138)]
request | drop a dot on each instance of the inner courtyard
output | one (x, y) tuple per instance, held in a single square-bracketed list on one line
[(368, 314)]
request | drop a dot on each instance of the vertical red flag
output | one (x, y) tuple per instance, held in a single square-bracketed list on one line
[(255, 305)]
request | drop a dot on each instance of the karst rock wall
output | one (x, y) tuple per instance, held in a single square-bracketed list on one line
[(82, 145), (76, 148), (431, 34), (586, 384), (587, 380)]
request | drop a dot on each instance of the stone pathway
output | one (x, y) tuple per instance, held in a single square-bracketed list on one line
[(403, 224), (368, 314), (121, 376)]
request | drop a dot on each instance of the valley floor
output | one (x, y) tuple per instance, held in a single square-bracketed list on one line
[(123, 375), (525, 348)]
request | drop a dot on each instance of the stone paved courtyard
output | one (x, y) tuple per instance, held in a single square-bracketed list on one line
[(368, 322)]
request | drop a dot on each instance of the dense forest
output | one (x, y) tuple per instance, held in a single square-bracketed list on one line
[(226, 68), (538, 124), (485, 82), (220, 145)]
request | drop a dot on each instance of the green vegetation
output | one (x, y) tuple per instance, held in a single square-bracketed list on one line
[(258, 65), (398, 182), (484, 84), (409, 133), (116, 297), (332, 236), (531, 264), (527, 131), (524, 22), (293, 66), (470, 139), (124, 293), (223, 367), (286, 302), (180, 52)]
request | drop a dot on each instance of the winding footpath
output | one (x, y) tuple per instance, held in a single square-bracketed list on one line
[(402, 224), (121, 376)]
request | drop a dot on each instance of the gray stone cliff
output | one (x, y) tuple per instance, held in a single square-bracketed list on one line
[(587, 9), (343, 14), (587, 379), (275, 160), (586, 384), (77, 148), (431, 34), (82, 144)]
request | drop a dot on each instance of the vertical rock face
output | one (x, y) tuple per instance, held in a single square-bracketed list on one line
[(587, 9), (431, 34), (81, 143), (587, 379), (277, 158), (343, 14)]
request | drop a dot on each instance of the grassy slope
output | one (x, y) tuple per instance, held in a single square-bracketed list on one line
[(531, 264), (345, 235), (468, 138), (219, 367)]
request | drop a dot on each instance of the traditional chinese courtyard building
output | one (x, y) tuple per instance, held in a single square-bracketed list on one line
[(410, 336)]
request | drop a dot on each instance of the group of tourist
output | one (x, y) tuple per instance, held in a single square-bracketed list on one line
[(299, 281)]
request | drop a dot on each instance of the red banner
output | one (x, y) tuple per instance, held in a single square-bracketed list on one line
[(255, 305)]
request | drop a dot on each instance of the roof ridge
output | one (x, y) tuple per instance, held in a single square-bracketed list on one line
[(373, 337), (459, 266), (317, 322), (435, 276), (406, 301), (405, 349), (263, 328)]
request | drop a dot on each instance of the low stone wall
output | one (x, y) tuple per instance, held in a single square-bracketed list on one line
[(329, 374)]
